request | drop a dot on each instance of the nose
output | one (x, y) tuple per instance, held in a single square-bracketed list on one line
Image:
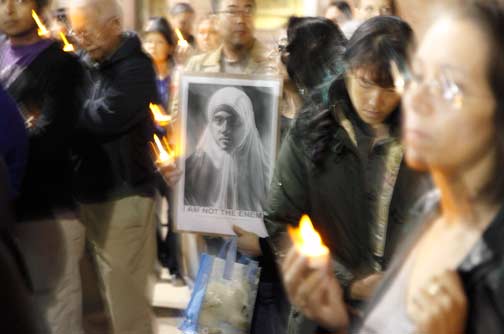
[(9, 7), (374, 97), (240, 17), (225, 127)]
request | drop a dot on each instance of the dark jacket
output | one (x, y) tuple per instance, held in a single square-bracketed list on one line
[(482, 270), (13, 142), (116, 127), (48, 88)]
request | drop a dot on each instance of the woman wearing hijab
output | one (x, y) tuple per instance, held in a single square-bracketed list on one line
[(230, 168)]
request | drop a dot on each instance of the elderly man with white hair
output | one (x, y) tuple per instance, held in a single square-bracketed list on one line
[(114, 174)]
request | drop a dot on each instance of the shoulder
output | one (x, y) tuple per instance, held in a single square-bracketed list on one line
[(198, 62), (55, 56)]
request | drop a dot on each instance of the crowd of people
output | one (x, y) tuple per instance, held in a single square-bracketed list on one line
[(390, 142)]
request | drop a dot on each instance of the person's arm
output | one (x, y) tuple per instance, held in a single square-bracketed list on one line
[(16, 143), (122, 103), (282, 207), (288, 196)]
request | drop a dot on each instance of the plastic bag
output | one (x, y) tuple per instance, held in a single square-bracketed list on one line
[(224, 294)]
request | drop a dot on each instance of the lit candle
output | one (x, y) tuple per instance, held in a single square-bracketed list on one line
[(164, 154), (181, 40), (67, 47), (308, 243), (42, 30), (160, 117)]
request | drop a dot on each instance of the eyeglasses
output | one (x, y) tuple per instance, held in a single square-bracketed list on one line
[(442, 86), (247, 12), (89, 33), (84, 35)]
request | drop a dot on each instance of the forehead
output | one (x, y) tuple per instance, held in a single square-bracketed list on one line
[(184, 15), (237, 3), (465, 46), (154, 35), (375, 3), (83, 16), (224, 113)]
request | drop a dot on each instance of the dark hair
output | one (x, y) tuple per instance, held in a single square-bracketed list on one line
[(160, 25), (181, 7), (489, 15), (40, 4), (314, 51), (372, 47), (376, 43), (343, 7)]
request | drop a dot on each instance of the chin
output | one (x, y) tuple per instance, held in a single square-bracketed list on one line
[(415, 160)]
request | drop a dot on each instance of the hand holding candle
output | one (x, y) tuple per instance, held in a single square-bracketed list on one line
[(309, 283), (163, 153), (181, 40), (308, 243), (160, 117)]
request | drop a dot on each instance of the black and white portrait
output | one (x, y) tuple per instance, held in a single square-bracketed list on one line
[(229, 130)]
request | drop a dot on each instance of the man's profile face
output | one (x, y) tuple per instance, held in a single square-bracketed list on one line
[(93, 34), (236, 22), (227, 129), (16, 17)]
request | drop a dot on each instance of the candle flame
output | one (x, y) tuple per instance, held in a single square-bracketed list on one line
[(42, 30), (181, 40), (160, 116), (162, 150), (67, 47), (307, 240)]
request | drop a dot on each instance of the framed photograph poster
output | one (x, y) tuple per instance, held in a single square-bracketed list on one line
[(229, 136)]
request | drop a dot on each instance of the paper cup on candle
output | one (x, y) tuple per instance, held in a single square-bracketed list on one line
[(308, 243)]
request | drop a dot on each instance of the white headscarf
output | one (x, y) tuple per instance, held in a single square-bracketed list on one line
[(244, 172)]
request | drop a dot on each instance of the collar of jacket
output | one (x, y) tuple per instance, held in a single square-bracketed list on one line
[(486, 253), (212, 63)]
